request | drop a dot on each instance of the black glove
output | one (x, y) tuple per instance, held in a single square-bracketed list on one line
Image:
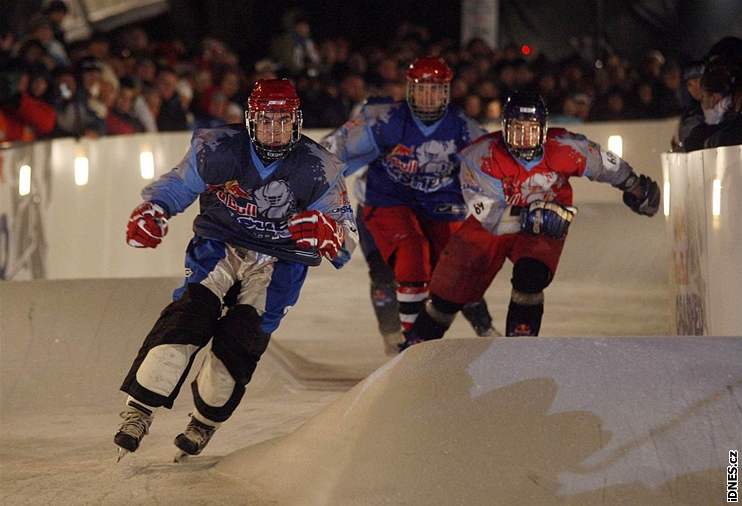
[(642, 195)]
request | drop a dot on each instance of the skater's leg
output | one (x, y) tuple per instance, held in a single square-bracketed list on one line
[(238, 345), (383, 294), (439, 232), (383, 287), (268, 290), (402, 243), (478, 316), (535, 260), (184, 326), (228, 367), (163, 361), (464, 271)]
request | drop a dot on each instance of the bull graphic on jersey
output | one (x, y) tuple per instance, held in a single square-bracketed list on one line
[(275, 200), (427, 169), (541, 186), (538, 186)]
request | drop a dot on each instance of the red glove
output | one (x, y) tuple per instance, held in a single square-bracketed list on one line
[(147, 226), (312, 229)]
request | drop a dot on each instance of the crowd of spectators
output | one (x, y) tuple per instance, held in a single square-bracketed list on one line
[(712, 116), (125, 82)]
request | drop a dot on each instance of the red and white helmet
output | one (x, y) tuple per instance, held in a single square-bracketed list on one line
[(429, 87), (272, 112)]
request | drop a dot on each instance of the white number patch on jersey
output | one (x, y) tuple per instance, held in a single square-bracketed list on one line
[(610, 160), (481, 208)]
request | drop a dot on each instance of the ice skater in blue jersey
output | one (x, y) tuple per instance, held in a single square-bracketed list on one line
[(272, 203), (412, 202)]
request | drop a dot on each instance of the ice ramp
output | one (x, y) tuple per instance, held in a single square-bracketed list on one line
[(69, 343), (536, 421)]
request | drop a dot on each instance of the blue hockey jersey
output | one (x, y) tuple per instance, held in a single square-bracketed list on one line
[(410, 163), (246, 203)]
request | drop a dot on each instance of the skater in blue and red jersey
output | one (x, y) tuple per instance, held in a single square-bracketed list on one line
[(412, 201)]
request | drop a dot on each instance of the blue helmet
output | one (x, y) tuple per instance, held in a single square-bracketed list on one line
[(524, 124)]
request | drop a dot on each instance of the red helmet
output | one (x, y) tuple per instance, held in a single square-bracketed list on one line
[(273, 108), (429, 87), (431, 69)]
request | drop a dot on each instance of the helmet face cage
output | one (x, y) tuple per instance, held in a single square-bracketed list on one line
[(428, 99), (268, 130), (524, 125), (524, 136)]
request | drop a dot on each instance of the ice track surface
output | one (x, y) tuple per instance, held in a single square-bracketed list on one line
[(562, 420)]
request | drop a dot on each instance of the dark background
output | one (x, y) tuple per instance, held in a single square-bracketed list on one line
[(681, 29)]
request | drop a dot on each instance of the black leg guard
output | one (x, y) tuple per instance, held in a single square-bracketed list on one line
[(383, 294), (190, 320), (238, 343), (523, 319), (526, 308), (432, 322), (478, 316)]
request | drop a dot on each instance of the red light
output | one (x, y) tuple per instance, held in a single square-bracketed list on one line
[(525, 49)]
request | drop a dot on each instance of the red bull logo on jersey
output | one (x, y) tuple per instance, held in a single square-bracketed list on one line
[(427, 167), (401, 150), (401, 158), (234, 197)]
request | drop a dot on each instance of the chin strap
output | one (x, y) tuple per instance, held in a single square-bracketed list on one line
[(528, 155)]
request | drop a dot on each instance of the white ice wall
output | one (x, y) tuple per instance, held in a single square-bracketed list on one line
[(705, 205), (62, 230)]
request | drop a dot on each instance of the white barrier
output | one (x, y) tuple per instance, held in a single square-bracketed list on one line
[(70, 222), (704, 203)]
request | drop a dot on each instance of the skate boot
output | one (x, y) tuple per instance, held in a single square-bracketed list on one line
[(392, 342), (386, 309), (194, 438), (409, 340), (478, 316), (137, 420)]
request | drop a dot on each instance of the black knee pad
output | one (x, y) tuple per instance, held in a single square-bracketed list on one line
[(188, 320), (530, 275), (239, 342)]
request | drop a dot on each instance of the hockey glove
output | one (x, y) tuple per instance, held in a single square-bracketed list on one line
[(147, 226), (547, 218), (641, 194), (313, 229)]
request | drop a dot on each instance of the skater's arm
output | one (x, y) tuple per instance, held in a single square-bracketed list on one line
[(177, 189), (587, 158), (353, 143), (335, 204), (471, 130), (640, 193)]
